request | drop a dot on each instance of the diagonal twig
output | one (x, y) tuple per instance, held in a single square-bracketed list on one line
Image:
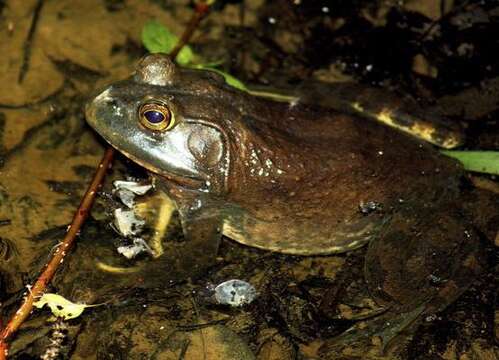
[(46, 276), (202, 9), (81, 214)]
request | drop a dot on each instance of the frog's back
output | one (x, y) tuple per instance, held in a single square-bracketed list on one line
[(318, 181)]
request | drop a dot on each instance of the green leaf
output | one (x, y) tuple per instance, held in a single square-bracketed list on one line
[(158, 39), (229, 79), (232, 81), (60, 306), (275, 96), (479, 161)]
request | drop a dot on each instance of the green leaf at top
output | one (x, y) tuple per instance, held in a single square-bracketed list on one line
[(479, 161), (158, 39), (229, 79)]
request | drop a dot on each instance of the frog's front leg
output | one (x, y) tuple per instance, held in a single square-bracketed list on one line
[(202, 228)]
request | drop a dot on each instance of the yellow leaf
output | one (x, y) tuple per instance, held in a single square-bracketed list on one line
[(60, 306)]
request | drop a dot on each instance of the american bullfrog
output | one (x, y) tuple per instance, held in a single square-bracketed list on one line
[(294, 178)]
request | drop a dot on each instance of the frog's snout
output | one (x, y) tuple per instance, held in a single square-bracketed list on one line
[(98, 109), (90, 114)]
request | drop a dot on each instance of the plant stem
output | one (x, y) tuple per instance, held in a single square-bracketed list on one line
[(202, 9)]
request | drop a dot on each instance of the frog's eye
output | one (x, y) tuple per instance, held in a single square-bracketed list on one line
[(156, 116)]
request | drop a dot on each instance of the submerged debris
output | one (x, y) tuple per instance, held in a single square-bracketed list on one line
[(127, 190), (127, 223), (369, 206), (234, 293), (137, 247), (57, 337)]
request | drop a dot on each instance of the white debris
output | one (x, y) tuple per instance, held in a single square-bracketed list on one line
[(127, 190), (235, 293), (135, 187), (126, 197), (131, 251), (127, 223)]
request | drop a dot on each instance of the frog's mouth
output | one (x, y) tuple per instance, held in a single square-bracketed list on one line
[(185, 181)]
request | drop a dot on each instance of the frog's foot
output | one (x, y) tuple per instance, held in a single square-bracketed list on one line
[(170, 255), (381, 333), (429, 258), (419, 264), (177, 263)]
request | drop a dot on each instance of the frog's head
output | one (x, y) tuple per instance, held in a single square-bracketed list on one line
[(168, 119)]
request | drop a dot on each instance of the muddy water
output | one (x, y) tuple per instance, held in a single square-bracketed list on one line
[(47, 157)]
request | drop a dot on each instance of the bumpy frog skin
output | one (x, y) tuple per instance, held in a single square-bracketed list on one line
[(296, 179)]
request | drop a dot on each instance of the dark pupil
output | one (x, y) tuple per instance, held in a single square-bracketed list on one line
[(154, 116)]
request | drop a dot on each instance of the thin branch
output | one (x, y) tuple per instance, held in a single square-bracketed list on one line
[(28, 44), (202, 9)]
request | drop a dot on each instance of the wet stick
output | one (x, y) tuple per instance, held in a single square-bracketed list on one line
[(202, 8), (46, 276), (79, 218)]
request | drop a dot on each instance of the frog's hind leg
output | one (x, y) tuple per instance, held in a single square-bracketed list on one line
[(420, 263), (427, 256)]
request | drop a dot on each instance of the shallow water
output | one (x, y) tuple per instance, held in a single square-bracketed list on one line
[(48, 153)]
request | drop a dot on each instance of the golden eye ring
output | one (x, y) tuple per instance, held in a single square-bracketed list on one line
[(156, 116)]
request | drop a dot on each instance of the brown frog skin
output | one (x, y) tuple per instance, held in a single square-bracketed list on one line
[(293, 178)]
